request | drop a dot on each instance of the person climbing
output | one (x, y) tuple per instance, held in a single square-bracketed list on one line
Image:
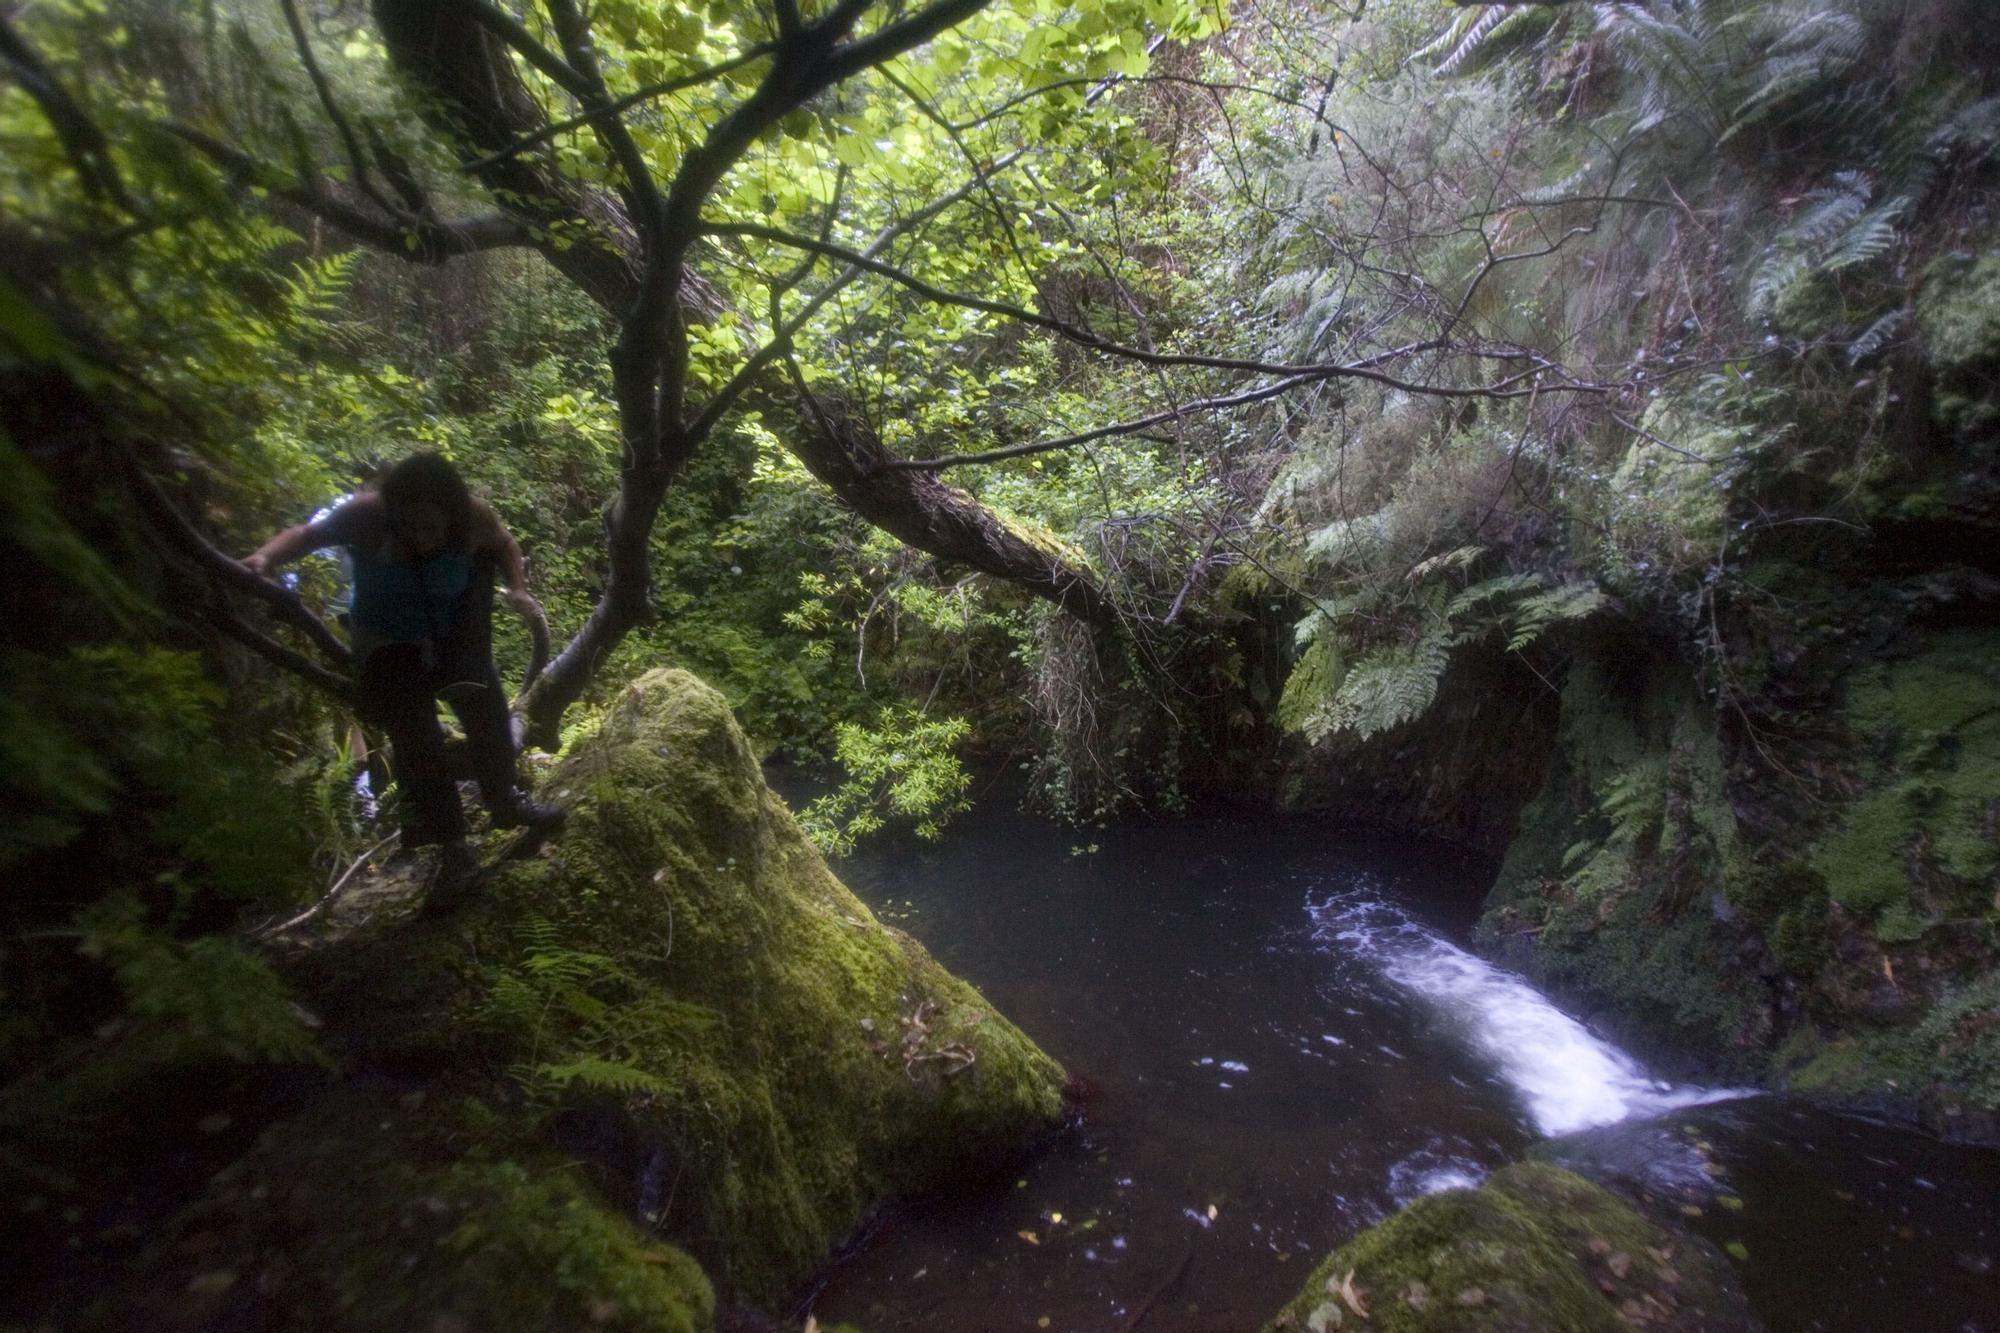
[(424, 555)]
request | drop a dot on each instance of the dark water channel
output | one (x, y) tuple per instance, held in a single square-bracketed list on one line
[(1283, 1043)]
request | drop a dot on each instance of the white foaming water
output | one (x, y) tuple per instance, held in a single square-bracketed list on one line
[(1568, 1079)]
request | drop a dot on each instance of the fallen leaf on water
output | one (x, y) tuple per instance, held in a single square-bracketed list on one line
[(1738, 1251), (1030, 1237), (1731, 1202), (1054, 1218), (1043, 1322), (1690, 1210), (1211, 1212)]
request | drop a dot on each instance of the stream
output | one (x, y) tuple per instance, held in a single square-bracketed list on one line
[(1281, 1042)]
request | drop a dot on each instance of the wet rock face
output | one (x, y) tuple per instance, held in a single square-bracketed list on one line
[(1535, 1248)]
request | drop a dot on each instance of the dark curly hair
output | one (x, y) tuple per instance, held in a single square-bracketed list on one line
[(428, 479)]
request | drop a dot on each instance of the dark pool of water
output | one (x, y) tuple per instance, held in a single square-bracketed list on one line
[(1266, 1078)]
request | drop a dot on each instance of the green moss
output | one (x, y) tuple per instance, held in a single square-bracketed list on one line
[(1958, 312), (1929, 727), (684, 954), (1855, 1067), (1948, 1059), (345, 1218), (1535, 1248)]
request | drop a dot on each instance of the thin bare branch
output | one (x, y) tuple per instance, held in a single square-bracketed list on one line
[(357, 161), (423, 240), (1132, 427), (620, 105)]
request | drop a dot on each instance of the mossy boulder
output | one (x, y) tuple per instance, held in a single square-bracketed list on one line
[(357, 1216), (1535, 1248), (684, 954)]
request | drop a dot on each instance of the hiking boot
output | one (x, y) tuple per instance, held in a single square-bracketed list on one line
[(521, 812), (458, 873)]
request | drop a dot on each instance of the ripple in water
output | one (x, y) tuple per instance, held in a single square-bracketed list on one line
[(1567, 1079)]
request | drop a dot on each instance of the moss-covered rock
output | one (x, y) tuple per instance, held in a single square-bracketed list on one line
[(1919, 846), (1958, 312), (351, 1217), (679, 991), (683, 952), (1536, 1248)]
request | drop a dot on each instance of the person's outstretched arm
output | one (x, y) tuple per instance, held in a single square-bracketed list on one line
[(337, 528), (513, 565)]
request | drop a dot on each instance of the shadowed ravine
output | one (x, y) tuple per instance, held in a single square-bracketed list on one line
[(1281, 1046)]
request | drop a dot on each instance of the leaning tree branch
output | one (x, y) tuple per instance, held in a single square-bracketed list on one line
[(516, 35), (364, 180), (422, 240), (221, 619), (181, 533), (82, 141), (619, 105)]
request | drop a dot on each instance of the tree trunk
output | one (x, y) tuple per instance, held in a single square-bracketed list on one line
[(923, 511)]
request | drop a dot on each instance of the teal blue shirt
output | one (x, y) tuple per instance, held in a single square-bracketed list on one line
[(405, 601)]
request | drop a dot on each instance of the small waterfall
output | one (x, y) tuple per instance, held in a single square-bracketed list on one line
[(1566, 1078)]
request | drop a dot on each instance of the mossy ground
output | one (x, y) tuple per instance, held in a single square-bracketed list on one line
[(1536, 1248)]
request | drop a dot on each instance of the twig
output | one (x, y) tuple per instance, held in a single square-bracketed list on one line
[(326, 899), (1145, 1307)]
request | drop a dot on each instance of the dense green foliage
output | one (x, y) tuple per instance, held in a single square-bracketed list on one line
[(1637, 361)]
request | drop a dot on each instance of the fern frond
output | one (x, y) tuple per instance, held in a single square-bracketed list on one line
[(1458, 558), (1504, 585), (1534, 616), (1877, 336), (1387, 688), (597, 1074), (1490, 31)]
